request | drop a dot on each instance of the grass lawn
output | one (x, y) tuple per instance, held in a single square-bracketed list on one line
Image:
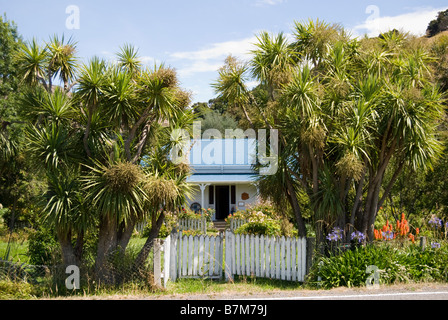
[(17, 250)]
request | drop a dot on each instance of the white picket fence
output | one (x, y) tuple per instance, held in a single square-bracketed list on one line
[(182, 224), (245, 255), (193, 224), (268, 257), (236, 223)]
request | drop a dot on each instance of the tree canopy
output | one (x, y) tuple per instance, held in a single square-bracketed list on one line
[(351, 115)]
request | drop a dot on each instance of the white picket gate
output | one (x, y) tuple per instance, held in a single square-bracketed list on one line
[(281, 258), (192, 257), (267, 257)]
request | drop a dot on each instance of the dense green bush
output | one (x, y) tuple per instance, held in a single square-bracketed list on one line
[(3, 227), (267, 228), (409, 264), (43, 248), (263, 219), (11, 290)]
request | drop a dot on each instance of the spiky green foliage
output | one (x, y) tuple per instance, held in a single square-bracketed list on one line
[(347, 111)]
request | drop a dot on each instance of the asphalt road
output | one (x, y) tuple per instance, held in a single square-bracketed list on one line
[(395, 292)]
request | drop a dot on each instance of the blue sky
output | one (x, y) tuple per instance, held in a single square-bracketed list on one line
[(195, 36)]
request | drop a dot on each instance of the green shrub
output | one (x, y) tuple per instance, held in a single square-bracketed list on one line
[(395, 265), (12, 290), (43, 248), (263, 219), (3, 227), (267, 228)]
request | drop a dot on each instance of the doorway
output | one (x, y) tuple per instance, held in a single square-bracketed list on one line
[(222, 202)]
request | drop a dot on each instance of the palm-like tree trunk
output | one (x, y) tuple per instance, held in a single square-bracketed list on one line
[(107, 243), (68, 251)]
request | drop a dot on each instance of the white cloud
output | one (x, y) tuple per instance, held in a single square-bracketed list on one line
[(148, 61), (269, 2), (199, 66), (218, 50), (211, 58), (414, 22)]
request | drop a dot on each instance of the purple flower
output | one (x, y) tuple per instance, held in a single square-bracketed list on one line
[(435, 222), (358, 235), (335, 235), (388, 235), (435, 245)]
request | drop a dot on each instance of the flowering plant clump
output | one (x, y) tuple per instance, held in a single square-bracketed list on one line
[(208, 213), (189, 214), (239, 215), (435, 222), (258, 223), (435, 245), (402, 231), (335, 235), (358, 236), (436, 226)]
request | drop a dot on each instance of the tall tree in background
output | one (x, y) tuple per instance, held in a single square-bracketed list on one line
[(17, 187), (438, 25)]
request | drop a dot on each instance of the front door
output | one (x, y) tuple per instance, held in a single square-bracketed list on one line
[(222, 202)]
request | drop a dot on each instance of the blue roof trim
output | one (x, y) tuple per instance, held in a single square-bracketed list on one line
[(222, 178)]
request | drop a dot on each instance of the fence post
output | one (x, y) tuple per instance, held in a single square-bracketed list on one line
[(310, 243), (157, 263), (167, 260), (204, 225), (423, 243), (228, 259), (173, 256)]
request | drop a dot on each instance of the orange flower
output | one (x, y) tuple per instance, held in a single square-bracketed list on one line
[(417, 231)]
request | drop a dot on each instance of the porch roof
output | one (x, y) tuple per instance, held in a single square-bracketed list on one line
[(221, 178)]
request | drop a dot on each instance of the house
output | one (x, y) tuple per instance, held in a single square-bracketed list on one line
[(222, 175)]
